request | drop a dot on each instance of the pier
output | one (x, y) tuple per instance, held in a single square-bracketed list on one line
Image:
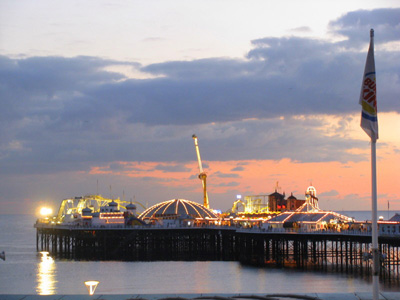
[(317, 250)]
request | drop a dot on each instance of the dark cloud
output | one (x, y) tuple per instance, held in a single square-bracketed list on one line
[(228, 184), (330, 193), (355, 26), (205, 165), (65, 114), (116, 167), (225, 175), (172, 168), (206, 69), (157, 179), (302, 29), (237, 169)]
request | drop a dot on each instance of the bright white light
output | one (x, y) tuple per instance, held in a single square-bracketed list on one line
[(238, 196), (45, 211), (91, 286)]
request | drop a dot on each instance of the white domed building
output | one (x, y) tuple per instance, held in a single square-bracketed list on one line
[(176, 209)]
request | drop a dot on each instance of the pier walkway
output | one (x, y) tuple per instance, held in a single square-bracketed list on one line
[(278, 296)]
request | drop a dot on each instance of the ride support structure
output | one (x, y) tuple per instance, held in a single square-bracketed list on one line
[(202, 174)]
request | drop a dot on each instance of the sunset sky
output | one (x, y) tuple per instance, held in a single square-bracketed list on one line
[(100, 94)]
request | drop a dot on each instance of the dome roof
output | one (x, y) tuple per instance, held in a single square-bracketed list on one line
[(176, 208), (131, 206), (86, 211), (112, 203)]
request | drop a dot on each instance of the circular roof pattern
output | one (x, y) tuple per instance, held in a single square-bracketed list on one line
[(177, 208)]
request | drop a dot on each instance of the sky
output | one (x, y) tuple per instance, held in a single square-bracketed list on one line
[(104, 96)]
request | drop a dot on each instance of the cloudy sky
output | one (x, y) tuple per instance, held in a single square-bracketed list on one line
[(108, 93)]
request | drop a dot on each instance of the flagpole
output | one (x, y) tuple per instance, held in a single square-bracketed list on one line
[(369, 123), (375, 250)]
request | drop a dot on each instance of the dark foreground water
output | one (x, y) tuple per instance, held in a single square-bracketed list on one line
[(24, 272)]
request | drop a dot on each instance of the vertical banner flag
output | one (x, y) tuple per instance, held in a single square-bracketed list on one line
[(369, 112)]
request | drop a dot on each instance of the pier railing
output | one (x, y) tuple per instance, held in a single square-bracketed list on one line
[(307, 231), (236, 228)]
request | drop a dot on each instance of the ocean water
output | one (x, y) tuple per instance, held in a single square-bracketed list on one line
[(25, 272)]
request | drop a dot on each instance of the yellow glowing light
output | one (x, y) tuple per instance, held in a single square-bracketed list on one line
[(46, 276), (45, 211), (91, 286)]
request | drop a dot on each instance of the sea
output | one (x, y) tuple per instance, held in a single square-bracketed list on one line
[(25, 272)]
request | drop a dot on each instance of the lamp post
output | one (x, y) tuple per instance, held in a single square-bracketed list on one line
[(91, 286)]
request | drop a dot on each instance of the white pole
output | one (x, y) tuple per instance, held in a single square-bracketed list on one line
[(375, 250)]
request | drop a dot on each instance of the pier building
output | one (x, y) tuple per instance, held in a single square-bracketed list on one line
[(171, 209), (309, 217), (178, 211), (391, 226), (267, 206), (95, 210)]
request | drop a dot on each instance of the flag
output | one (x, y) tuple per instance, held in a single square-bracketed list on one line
[(369, 112)]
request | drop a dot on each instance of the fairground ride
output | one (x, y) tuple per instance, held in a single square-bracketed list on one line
[(75, 205)]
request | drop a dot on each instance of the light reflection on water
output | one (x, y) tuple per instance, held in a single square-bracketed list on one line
[(46, 275), (175, 277)]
